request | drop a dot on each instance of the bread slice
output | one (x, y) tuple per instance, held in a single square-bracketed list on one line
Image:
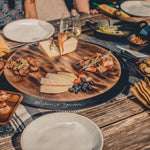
[(50, 50), (54, 89)]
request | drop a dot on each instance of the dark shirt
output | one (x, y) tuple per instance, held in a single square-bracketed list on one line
[(69, 3)]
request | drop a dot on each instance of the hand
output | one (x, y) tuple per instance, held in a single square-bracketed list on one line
[(93, 11)]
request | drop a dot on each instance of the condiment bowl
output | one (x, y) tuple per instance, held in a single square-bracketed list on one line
[(138, 42)]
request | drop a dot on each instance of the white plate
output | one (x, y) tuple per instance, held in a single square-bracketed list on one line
[(28, 30), (62, 131), (136, 8)]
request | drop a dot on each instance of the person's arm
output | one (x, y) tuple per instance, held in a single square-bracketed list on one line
[(82, 6), (30, 9)]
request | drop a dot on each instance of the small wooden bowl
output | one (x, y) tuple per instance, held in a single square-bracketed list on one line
[(10, 107)]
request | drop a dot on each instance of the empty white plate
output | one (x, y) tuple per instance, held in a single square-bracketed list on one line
[(28, 30), (136, 8), (62, 131)]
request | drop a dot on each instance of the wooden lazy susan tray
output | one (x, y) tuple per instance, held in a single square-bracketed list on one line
[(105, 84)]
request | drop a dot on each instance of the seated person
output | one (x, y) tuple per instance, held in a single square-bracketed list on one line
[(16, 9), (87, 7), (81, 6)]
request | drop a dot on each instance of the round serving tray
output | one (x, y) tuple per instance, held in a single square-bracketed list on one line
[(70, 101)]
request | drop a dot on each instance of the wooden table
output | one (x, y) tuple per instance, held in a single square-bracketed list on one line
[(125, 123)]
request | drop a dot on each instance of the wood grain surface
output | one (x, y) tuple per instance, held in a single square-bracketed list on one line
[(124, 124), (30, 84)]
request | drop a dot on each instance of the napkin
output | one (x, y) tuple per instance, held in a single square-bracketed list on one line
[(4, 49), (114, 12), (141, 91)]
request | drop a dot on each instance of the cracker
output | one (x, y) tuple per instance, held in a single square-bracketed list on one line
[(135, 92), (147, 81), (140, 90)]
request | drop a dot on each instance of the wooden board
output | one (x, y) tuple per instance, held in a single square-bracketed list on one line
[(30, 84)]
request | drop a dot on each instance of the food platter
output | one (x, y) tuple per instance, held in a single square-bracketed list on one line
[(77, 132), (28, 30), (108, 84)]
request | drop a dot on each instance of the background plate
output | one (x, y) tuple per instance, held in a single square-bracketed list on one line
[(62, 131), (28, 30), (136, 8)]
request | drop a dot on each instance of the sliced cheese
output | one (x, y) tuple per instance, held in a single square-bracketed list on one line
[(51, 51), (68, 74), (62, 76), (56, 80), (54, 89)]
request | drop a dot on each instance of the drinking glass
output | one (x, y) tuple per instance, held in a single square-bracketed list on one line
[(69, 28), (72, 27)]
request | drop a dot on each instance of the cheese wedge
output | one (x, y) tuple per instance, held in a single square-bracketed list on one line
[(50, 50), (70, 45), (54, 89)]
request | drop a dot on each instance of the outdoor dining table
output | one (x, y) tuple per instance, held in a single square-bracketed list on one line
[(123, 120)]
